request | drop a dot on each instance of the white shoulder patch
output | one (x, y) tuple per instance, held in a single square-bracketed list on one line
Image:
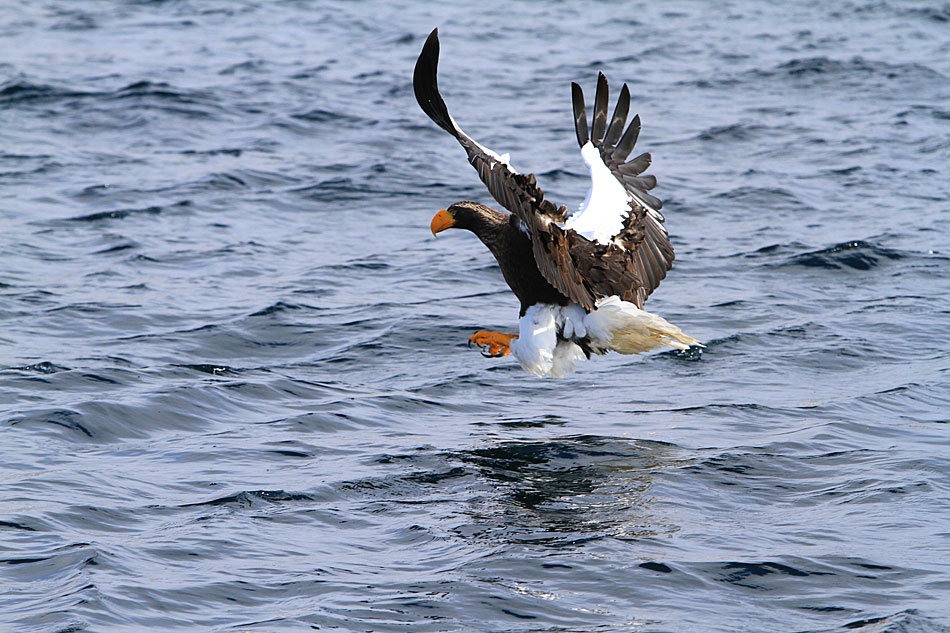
[(602, 214)]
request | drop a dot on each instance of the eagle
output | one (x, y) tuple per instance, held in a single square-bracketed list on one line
[(582, 278)]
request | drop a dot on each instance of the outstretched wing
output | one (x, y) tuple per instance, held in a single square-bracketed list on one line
[(618, 210), (516, 192), (632, 259)]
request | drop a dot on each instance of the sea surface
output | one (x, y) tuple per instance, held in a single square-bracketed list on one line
[(235, 391)]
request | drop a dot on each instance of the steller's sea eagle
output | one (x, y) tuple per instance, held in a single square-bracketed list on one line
[(582, 278)]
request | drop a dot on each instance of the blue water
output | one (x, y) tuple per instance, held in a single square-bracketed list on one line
[(235, 393)]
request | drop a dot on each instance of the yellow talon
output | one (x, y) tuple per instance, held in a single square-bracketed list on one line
[(492, 344)]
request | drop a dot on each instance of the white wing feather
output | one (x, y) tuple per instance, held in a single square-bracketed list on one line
[(604, 210)]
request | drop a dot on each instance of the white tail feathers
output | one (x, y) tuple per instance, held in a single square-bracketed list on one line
[(623, 327)]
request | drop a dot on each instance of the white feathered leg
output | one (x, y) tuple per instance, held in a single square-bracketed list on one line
[(538, 347)]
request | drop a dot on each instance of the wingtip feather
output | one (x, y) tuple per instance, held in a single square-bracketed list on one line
[(628, 141), (426, 86), (615, 129), (580, 114), (599, 123)]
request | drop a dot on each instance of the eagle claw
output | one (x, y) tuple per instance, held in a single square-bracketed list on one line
[(492, 344)]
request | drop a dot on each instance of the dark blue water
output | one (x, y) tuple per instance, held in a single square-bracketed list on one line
[(234, 388)]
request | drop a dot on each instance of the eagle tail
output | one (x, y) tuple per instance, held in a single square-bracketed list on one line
[(426, 86), (623, 327)]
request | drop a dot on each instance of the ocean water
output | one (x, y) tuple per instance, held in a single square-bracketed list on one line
[(235, 392)]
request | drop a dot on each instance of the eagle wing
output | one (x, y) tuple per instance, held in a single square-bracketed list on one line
[(618, 210), (582, 269)]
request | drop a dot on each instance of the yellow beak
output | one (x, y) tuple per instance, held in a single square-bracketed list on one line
[(442, 220)]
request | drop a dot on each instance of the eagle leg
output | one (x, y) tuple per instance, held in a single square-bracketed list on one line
[(492, 344)]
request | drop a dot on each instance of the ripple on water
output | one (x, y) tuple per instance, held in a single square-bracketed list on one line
[(234, 384), (856, 254)]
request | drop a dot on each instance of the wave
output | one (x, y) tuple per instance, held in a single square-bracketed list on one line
[(908, 621), (764, 198), (849, 72), (16, 92), (21, 91), (118, 214), (250, 498), (733, 132), (329, 116), (44, 367), (121, 108), (856, 255), (937, 14), (853, 254)]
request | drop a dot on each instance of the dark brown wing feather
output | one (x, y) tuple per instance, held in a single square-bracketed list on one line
[(643, 237)]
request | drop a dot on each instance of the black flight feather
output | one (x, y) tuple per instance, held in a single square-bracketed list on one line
[(580, 115), (426, 86), (599, 124), (638, 165), (620, 117), (625, 146)]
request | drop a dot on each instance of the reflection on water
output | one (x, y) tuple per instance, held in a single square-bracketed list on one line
[(568, 489)]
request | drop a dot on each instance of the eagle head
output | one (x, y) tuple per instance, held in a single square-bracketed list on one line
[(471, 216)]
